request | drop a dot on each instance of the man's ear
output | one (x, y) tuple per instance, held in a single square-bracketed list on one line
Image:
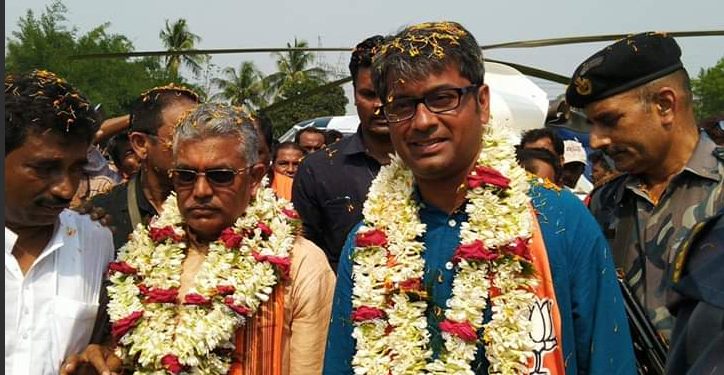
[(256, 173), (484, 102), (667, 101), (139, 144)]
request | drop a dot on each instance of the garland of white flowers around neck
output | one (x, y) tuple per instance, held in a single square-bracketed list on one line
[(492, 264), (155, 332)]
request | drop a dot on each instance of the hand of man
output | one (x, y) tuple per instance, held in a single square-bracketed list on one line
[(95, 359), (96, 214)]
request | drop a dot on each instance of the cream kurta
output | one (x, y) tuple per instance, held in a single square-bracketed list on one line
[(307, 309)]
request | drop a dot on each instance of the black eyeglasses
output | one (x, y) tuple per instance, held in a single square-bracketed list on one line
[(439, 101), (216, 177)]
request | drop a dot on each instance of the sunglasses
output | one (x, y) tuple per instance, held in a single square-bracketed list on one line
[(216, 177)]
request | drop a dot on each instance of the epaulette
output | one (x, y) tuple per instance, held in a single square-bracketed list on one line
[(682, 254)]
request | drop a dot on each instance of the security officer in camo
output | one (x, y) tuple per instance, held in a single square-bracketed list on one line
[(638, 100)]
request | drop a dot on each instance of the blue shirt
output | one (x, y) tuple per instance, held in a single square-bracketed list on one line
[(595, 331)]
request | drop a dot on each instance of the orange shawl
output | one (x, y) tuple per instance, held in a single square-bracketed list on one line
[(259, 341), (546, 318)]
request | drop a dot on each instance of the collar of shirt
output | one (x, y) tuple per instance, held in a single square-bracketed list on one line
[(144, 205), (355, 144), (10, 239), (436, 216), (703, 163), (64, 234)]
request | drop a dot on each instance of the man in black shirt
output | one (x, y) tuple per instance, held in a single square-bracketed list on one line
[(331, 185), (152, 122)]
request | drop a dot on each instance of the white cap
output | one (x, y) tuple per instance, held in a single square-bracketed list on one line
[(574, 151)]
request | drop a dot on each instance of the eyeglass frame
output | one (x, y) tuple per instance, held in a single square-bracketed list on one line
[(460, 91), (167, 144), (210, 181)]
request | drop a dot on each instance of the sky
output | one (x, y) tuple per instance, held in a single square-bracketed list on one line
[(343, 23)]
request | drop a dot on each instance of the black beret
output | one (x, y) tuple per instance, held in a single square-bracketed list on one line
[(628, 63)]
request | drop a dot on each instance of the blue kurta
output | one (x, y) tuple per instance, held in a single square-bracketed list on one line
[(595, 331)]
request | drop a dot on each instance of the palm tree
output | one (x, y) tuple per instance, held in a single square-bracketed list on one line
[(293, 66), (245, 88), (177, 37)]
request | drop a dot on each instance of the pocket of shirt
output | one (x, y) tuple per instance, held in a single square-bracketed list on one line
[(340, 205), (340, 212), (72, 326)]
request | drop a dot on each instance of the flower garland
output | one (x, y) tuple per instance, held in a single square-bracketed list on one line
[(492, 264), (155, 333)]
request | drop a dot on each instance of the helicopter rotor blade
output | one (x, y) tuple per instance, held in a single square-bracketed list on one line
[(307, 93), (202, 52), (535, 72), (516, 44), (590, 39)]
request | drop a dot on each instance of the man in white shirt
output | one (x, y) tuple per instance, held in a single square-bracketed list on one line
[(55, 259)]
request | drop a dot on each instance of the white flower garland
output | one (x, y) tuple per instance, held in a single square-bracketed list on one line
[(391, 328), (157, 334)]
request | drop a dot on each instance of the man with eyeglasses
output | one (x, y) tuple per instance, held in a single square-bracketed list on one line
[(152, 120), (220, 280), (463, 263), (331, 185)]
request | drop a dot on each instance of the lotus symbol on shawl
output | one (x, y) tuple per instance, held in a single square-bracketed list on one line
[(542, 333)]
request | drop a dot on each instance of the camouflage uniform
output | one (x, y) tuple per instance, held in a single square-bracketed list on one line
[(644, 236)]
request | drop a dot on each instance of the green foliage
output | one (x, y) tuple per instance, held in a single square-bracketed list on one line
[(293, 67), (331, 102), (46, 43), (709, 91), (178, 37), (245, 88)]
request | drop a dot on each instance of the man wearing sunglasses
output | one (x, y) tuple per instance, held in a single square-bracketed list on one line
[(423, 282), (217, 177), (152, 120)]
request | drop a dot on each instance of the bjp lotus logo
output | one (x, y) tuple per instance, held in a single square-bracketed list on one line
[(542, 333)]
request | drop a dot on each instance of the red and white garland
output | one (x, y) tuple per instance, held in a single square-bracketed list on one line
[(155, 332), (492, 265)]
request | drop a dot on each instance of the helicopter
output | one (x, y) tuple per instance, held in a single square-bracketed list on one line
[(516, 100), (521, 104)]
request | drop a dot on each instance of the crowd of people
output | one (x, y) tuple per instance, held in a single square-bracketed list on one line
[(433, 240)]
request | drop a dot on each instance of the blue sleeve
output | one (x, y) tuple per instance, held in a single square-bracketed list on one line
[(602, 338), (340, 344)]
